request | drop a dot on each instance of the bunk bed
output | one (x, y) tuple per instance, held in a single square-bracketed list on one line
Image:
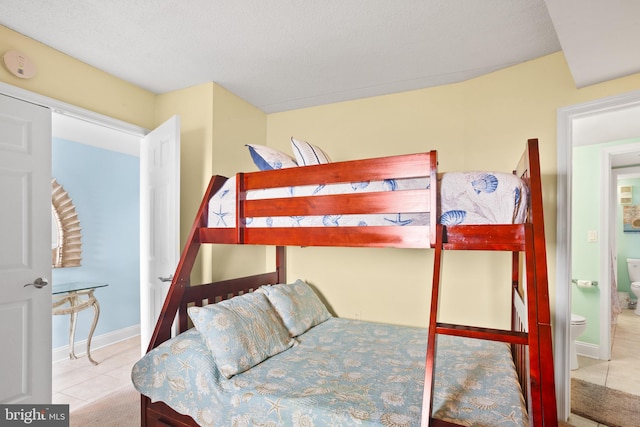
[(527, 342)]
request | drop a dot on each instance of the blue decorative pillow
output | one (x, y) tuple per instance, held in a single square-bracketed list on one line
[(307, 154), (241, 332), (267, 158), (298, 306)]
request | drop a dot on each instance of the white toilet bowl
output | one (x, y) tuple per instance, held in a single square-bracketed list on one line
[(635, 288), (578, 326), (633, 266)]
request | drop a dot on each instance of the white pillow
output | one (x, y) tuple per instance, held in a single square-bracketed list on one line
[(307, 154), (266, 158)]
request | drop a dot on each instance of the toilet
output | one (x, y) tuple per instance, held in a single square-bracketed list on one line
[(578, 325), (633, 265)]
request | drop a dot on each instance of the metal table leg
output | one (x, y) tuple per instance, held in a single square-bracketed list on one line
[(77, 304)]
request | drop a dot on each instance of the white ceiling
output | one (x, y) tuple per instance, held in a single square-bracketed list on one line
[(287, 54)]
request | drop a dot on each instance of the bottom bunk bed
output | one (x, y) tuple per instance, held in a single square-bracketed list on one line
[(339, 372), (335, 371)]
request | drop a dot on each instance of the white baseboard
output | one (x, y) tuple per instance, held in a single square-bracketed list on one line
[(98, 341), (588, 350)]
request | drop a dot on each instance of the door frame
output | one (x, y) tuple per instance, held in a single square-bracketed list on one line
[(72, 111), (565, 142)]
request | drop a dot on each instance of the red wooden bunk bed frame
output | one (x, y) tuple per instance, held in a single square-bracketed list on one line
[(531, 350)]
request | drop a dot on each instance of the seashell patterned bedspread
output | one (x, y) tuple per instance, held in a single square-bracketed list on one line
[(465, 198), (341, 373)]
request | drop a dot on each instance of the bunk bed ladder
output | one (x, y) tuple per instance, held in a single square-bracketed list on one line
[(537, 376)]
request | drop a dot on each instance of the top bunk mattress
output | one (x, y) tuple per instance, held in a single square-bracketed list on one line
[(464, 198)]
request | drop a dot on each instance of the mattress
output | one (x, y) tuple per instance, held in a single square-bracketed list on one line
[(341, 373), (465, 198)]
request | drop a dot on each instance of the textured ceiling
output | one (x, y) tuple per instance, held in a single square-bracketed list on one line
[(286, 54)]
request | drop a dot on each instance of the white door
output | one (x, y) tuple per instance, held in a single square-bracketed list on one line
[(25, 253), (159, 220)]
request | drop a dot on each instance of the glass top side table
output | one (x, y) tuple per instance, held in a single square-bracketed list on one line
[(71, 298)]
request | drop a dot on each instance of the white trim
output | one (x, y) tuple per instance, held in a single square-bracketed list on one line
[(71, 110), (605, 261), (586, 349), (566, 116), (71, 129), (62, 353), (562, 361)]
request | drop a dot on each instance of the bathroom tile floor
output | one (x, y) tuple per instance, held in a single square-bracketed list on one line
[(617, 373), (79, 382)]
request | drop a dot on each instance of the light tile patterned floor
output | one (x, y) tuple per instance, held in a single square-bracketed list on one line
[(618, 372), (622, 371), (78, 382)]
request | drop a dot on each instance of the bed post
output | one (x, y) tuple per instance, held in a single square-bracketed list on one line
[(434, 213), (543, 325), (430, 362), (281, 264)]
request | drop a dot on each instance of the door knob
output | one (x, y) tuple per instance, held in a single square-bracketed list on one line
[(166, 279), (38, 283)]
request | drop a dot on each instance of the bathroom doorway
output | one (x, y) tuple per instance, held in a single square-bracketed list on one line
[(618, 118), (627, 233), (594, 258)]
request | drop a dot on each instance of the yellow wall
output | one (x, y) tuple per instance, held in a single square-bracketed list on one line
[(194, 105), (66, 79), (215, 125), (479, 124), (236, 123), (482, 123)]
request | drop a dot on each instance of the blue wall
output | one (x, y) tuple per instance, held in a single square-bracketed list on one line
[(104, 186)]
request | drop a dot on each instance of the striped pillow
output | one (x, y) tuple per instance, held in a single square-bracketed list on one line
[(307, 154)]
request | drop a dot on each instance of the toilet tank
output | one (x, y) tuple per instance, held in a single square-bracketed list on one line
[(633, 264)]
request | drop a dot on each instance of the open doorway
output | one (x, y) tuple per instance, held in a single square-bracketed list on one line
[(99, 168), (609, 119), (128, 184)]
